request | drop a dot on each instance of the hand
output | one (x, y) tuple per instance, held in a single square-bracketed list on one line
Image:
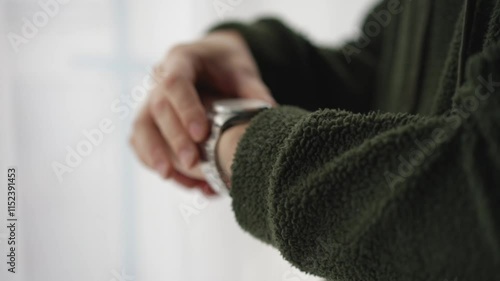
[(173, 122)]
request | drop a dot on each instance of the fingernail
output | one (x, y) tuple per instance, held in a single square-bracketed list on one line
[(161, 168), (186, 156), (196, 131)]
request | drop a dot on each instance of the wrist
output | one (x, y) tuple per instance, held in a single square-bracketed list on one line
[(227, 146), (230, 118)]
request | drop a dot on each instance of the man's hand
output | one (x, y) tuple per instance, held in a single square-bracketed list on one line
[(173, 122)]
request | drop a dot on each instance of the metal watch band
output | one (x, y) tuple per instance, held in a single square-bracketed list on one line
[(225, 118)]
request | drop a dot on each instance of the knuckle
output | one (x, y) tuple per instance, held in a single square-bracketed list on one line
[(159, 104), (136, 149), (158, 69), (178, 141), (136, 126), (144, 160), (171, 79), (156, 152), (179, 50), (132, 141)]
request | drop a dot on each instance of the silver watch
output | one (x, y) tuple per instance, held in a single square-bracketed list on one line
[(225, 114)]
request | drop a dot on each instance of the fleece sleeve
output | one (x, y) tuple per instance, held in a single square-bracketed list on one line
[(291, 66), (379, 196)]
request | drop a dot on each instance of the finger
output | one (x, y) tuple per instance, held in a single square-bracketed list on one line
[(192, 183), (207, 190), (149, 145), (194, 173), (178, 75), (187, 104), (172, 130), (185, 180)]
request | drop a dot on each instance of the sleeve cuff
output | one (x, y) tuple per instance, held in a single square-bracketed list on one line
[(252, 169)]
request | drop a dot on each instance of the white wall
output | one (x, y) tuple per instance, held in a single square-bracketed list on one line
[(110, 215)]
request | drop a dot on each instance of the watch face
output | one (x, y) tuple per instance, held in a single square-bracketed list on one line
[(239, 105)]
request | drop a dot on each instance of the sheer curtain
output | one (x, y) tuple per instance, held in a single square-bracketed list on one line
[(72, 76)]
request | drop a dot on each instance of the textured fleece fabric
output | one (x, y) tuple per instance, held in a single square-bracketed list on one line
[(383, 160)]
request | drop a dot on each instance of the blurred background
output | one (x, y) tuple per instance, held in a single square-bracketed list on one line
[(87, 209)]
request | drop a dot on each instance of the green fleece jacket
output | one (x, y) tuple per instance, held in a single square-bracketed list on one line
[(383, 160)]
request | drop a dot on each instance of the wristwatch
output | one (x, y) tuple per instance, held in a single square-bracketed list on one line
[(225, 114)]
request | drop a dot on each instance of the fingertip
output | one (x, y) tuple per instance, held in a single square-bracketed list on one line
[(185, 180), (207, 189), (197, 130)]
